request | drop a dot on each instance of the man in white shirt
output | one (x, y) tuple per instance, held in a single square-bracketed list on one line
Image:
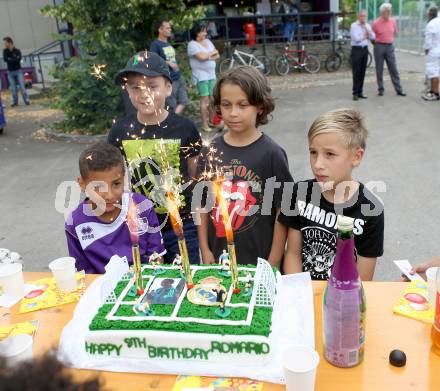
[(432, 51), (360, 33)]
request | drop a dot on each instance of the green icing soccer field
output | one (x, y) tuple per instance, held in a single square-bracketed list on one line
[(240, 305)]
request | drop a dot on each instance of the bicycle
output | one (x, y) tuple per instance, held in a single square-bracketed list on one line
[(340, 54), (296, 59), (262, 63)]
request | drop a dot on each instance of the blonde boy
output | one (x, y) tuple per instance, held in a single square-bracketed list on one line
[(337, 142)]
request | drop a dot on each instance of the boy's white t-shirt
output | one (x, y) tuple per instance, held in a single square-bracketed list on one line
[(201, 70)]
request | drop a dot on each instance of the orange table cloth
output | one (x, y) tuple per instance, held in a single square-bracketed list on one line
[(385, 331)]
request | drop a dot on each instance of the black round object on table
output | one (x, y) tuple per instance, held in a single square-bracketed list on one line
[(397, 358)]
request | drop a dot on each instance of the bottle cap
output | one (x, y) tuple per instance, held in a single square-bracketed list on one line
[(345, 223)]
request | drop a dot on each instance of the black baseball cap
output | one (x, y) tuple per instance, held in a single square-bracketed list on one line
[(144, 63)]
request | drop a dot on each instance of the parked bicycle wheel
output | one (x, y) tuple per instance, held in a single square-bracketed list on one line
[(282, 65), (262, 63), (370, 59), (333, 62), (312, 63), (226, 64)]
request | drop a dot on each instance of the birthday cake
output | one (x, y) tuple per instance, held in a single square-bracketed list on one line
[(173, 320)]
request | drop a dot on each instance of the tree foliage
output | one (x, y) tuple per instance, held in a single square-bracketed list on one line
[(108, 32)]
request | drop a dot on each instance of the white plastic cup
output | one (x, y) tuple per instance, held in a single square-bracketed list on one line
[(16, 348), (4, 253), (11, 279), (63, 269), (431, 275), (299, 363)]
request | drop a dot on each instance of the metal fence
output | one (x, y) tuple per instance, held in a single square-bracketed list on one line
[(229, 31), (411, 20)]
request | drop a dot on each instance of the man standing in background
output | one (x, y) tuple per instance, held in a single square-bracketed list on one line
[(432, 52), (161, 46), (12, 57), (360, 33), (385, 29), (290, 20)]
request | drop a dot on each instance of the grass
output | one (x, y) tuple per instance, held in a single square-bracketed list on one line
[(260, 325)]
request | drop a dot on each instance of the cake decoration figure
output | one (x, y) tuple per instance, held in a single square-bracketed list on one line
[(155, 261), (225, 261), (247, 285), (143, 308), (177, 261), (222, 311)]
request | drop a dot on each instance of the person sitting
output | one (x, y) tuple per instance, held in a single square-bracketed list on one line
[(97, 229)]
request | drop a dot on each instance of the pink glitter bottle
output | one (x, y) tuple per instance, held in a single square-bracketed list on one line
[(344, 305)]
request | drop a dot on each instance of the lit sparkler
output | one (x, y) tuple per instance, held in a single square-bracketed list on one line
[(98, 71), (135, 227), (214, 172)]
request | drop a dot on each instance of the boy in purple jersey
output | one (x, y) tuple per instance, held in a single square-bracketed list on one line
[(97, 229)]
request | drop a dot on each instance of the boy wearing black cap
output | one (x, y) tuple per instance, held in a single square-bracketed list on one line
[(154, 140)]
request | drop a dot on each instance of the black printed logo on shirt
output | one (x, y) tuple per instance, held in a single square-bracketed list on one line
[(318, 251)]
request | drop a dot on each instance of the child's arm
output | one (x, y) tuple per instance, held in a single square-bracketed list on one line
[(366, 268), (214, 55), (293, 257), (202, 232), (76, 251), (278, 242), (370, 242)]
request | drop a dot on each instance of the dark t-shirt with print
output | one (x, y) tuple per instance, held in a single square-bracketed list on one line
[(247, 170), (316, 218), (168, 53), (150, 150)]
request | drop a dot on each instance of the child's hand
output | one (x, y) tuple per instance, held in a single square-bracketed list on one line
[(404, 278), (422, 267), (208, 258)]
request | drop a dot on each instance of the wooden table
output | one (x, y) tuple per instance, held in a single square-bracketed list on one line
[(385, 332)]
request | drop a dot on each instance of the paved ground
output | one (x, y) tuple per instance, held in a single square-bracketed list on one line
[(401, 152)]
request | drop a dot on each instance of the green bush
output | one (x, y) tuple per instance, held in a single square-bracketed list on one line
[(109, 33), (89, 103)]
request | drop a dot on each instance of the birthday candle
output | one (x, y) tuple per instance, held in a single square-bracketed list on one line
[(223, 205), (176, 223), (132, 221)]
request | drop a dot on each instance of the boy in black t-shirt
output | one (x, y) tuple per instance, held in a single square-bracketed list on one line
[(154, 141), (337, 146), (252, 162)]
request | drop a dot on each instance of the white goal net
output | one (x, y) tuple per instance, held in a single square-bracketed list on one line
[(264, 285)]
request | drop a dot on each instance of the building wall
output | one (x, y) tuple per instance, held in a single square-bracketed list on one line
[(334, 5), (23, 22)]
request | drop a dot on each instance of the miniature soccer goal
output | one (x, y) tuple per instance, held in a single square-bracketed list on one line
[(264, 285), (107, 294)]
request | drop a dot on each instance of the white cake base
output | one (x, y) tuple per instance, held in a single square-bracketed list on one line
[(177, 346)]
